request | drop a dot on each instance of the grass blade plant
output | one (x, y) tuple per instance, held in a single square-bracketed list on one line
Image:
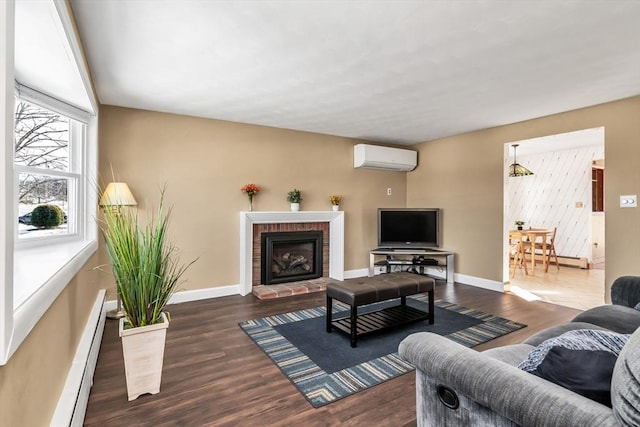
[(143, 262)]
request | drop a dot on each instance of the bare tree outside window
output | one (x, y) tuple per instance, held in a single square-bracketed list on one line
[(41, 137), (41, 153), (38, 189), (41, 141)]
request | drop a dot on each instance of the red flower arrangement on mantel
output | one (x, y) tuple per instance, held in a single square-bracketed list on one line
[(251, 190)]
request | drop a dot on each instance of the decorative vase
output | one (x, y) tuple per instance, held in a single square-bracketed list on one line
[(335, 208), (250, 202), (295, 207), (143, 351)]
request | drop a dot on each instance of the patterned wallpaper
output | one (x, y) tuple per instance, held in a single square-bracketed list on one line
[(548, 198)]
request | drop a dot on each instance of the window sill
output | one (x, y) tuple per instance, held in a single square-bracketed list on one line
[(39, 266), (40, 274)]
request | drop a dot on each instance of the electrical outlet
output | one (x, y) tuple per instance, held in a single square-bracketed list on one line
[(579, 205), (629, 201), (389, 191)]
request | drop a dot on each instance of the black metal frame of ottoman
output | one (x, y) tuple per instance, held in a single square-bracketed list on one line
[(378, 320)]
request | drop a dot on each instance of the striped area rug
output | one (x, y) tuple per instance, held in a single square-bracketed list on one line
[(322, 383)]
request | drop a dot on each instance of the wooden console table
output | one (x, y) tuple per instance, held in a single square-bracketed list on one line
[(406, 256)]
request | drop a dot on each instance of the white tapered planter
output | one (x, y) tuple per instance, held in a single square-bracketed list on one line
[(143, 351), (295, 207)]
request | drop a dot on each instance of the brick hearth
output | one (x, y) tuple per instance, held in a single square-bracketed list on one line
[(289, 289)]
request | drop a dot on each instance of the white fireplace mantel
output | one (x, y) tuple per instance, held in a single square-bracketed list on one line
[(336, 239)]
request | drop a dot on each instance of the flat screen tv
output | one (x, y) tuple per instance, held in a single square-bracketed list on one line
[(409, 228)]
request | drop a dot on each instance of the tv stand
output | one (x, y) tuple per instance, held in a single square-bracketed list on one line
[(413, 257)]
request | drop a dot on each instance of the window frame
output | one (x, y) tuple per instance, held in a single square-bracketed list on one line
[(77, 167), (16, 261)]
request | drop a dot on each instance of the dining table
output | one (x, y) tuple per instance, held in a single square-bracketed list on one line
[(530, 237)]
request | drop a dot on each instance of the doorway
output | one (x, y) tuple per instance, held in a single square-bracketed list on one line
[(597, 215), (559, 194)]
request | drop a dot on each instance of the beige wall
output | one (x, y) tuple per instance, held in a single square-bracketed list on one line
[(32, 380), (463, 175), (204, 163)]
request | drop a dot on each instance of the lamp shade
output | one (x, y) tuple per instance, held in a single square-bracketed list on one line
[(516, 169), (117, 194)]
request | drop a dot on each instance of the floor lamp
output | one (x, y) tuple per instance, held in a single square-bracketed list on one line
[(115, 196)]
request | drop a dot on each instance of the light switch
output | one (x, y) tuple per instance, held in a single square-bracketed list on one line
[(629, 201)]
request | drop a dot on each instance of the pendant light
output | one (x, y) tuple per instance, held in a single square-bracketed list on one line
[(516, 169)]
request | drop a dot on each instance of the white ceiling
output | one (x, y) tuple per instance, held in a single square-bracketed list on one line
[(563, 141), (397, 72)]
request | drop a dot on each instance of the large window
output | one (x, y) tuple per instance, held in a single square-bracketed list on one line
[(48, 156), (48, 150)]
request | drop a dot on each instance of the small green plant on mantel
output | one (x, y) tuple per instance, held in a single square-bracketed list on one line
[(143, 262), (519, 224), (294, 196)]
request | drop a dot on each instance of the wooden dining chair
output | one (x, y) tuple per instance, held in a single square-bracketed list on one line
[(550, 249), (517, 253)]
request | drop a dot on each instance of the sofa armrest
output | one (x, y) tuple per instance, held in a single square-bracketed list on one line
[(625, 291), (504, 389)]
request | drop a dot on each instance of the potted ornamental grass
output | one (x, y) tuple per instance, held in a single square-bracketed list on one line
[(147, 273)]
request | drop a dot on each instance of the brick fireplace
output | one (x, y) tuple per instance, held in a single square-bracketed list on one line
[(253, 224), (289, 252)]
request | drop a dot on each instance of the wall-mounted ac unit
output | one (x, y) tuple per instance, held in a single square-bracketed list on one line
[(384, 158)]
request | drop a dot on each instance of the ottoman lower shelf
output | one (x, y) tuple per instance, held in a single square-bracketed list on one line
[(380, 320)]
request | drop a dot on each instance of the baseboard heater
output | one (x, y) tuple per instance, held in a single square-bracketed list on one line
[(72, 404), (567, 261)]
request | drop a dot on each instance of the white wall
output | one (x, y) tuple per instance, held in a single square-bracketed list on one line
[(548, 198)]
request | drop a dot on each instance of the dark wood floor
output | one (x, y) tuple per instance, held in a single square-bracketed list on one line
[(214, 375)]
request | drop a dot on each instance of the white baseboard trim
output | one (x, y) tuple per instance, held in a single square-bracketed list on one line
[(198, 294), (223, 291), (193, 295), (352, 274), (479, 282), (440, 273), (72, 404)]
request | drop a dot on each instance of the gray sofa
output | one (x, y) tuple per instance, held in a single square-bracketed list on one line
[(458, 386)]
